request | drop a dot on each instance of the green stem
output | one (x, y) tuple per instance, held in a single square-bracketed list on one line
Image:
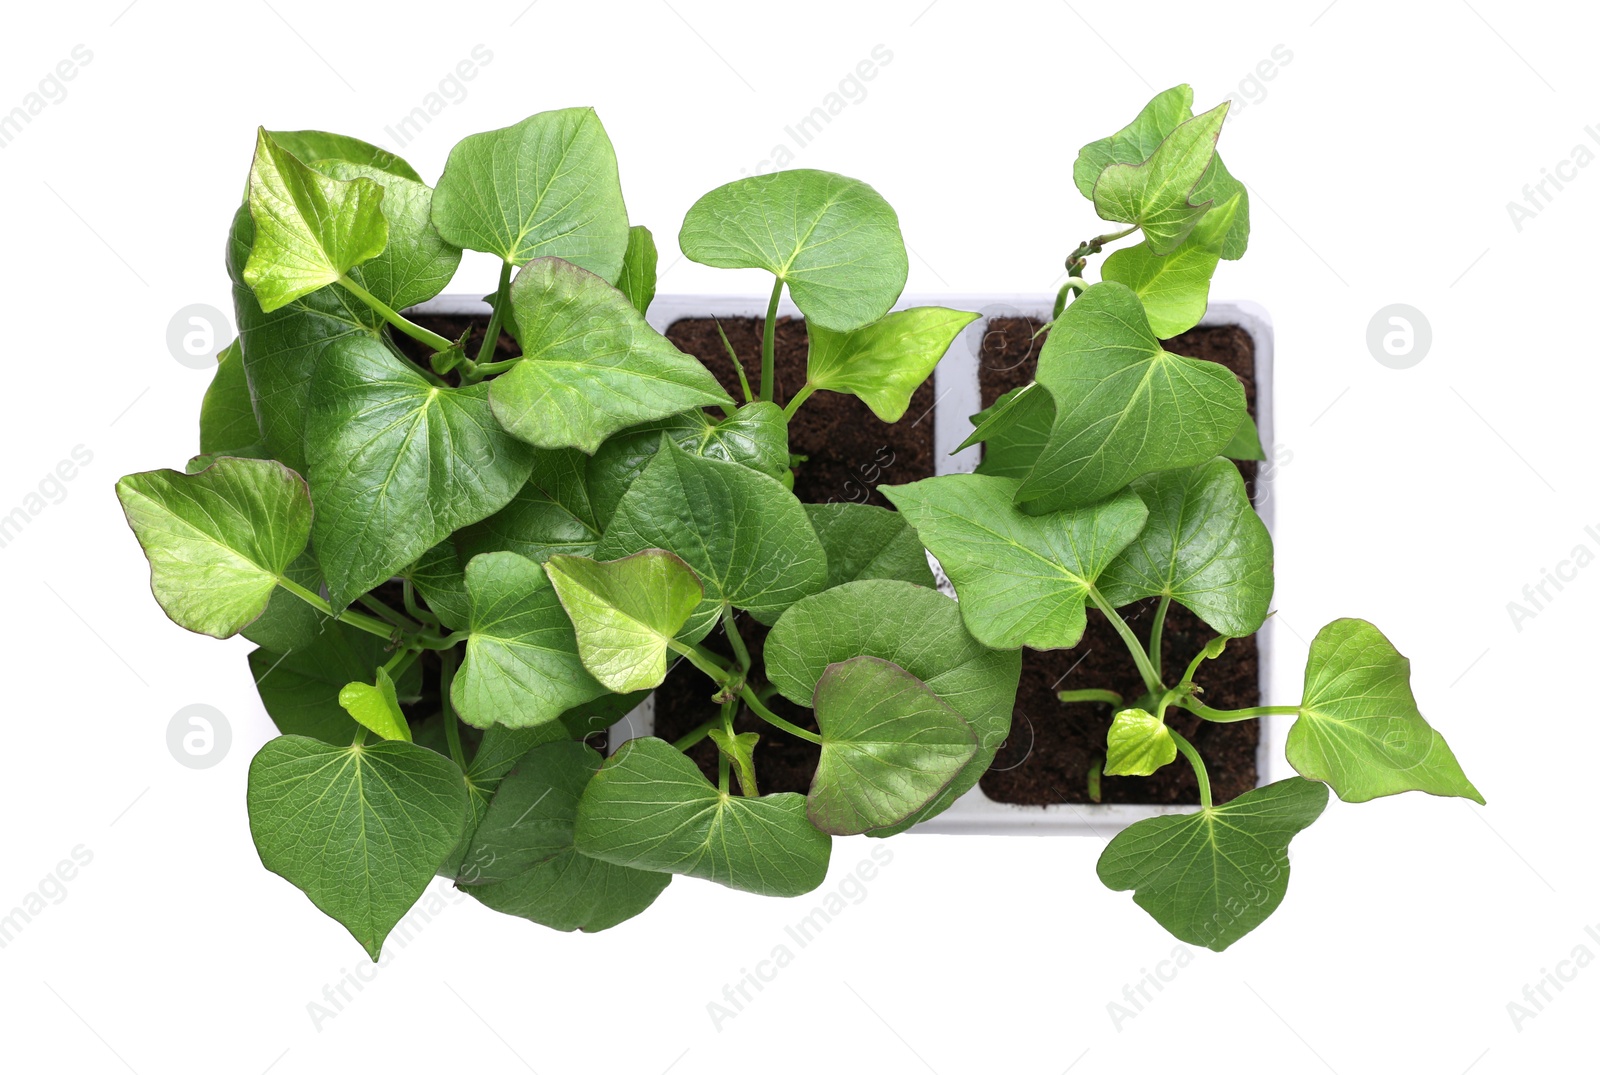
[(773, 719), (502, 295), (738, 367), (1197, 765), (1205, 654), (415, 331), (403, 659), (731, 629), (1090, 696), (769, 345), (447, 709), (1155, 633), (1095, 769), (354, 619), (708, 663), (684, 742), (799, 398), (1152, 681), (361, 735), (1229, 716), (372, 604), (408, 595)]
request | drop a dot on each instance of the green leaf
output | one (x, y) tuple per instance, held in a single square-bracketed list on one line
[(1124, 406), (890, 745), (500, 749), (1359, 728), (1174, 288), (300, 689), (833, 240), (227, 419), (545, 187), (1023, 580), (638, 280), (1246, 442), (358, 829), (1014, 431), (884, 362), (1203, 546), (416, 264), (866, 542), (552, 513), (650, 808), (625, 612), (1156, 194), (376, 707), (600, 714), (916, 628), (756, 436), (522, 860), (591, 365), (1138, 744), (1135, 142), (522, 665), (440, 579), (1212, 876), (398, 464), (1218, 186), (740, 751), (217, 541), (745, 535), (317, 147), (282, 348), (309, 229)]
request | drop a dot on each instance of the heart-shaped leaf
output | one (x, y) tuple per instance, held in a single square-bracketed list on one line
[(310, 229), (1023, 580), (522, 665), (376, 707), (756, 436), (1123, 405), (626, 612), (301, 689), (545, 187), (416, 264), (358, 829), (638, 279), (866, 542), (1156, 193), (1138, 744), (1359, 728), (1014, 431), (884, 362), (591, 364), (1174, 287), (318, 147), (398, 464), (918, 629), (522, 860), (552, 513), (1203, 546), (890, 745), (649, 807), (743, 533), (219, 540), (833, 240), (1213, 876)]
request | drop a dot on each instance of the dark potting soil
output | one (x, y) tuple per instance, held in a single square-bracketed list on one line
[(1053, 745)]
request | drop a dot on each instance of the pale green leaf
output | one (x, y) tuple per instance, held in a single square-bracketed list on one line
[(1175, 287), (1156, 193), (1135, 142), (416, 264), (316, 147), (1138, 744), (884, 362), (740, 751), (300, 689), (625, 612), (638, 280), (376, 707)]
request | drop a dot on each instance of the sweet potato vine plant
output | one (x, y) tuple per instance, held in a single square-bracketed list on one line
[(543, 533)]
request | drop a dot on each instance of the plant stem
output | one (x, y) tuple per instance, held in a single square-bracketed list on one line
[(799, 398), (1152, 681), (1095, 768), (769, 345), (1090, 696), (502, 295), (1229, 716), (372, 604), (1205, 654), (1155, 633), (731, 629), (738, 367), (773, 719), (415, 331), (708, 663), (447, 709), (1197, 765), (408, 594), (684, 742), (354, 619)]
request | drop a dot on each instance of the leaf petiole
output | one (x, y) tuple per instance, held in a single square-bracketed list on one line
[(1152, 681), (738, 367), (773, 719), (447, 709), (1199, 767), (1090, 695), (1229, 716), (799, 398), (354, 619), (415, 331), (740, 652), (502, 295), (1155, 633), (769, 345), (689, 739)]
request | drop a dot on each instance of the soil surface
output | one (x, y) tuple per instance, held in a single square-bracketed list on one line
[(1053, 744)]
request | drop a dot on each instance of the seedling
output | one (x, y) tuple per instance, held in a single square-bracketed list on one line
[(456, 569)]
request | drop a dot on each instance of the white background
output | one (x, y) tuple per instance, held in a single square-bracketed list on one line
[(1380, 160)]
